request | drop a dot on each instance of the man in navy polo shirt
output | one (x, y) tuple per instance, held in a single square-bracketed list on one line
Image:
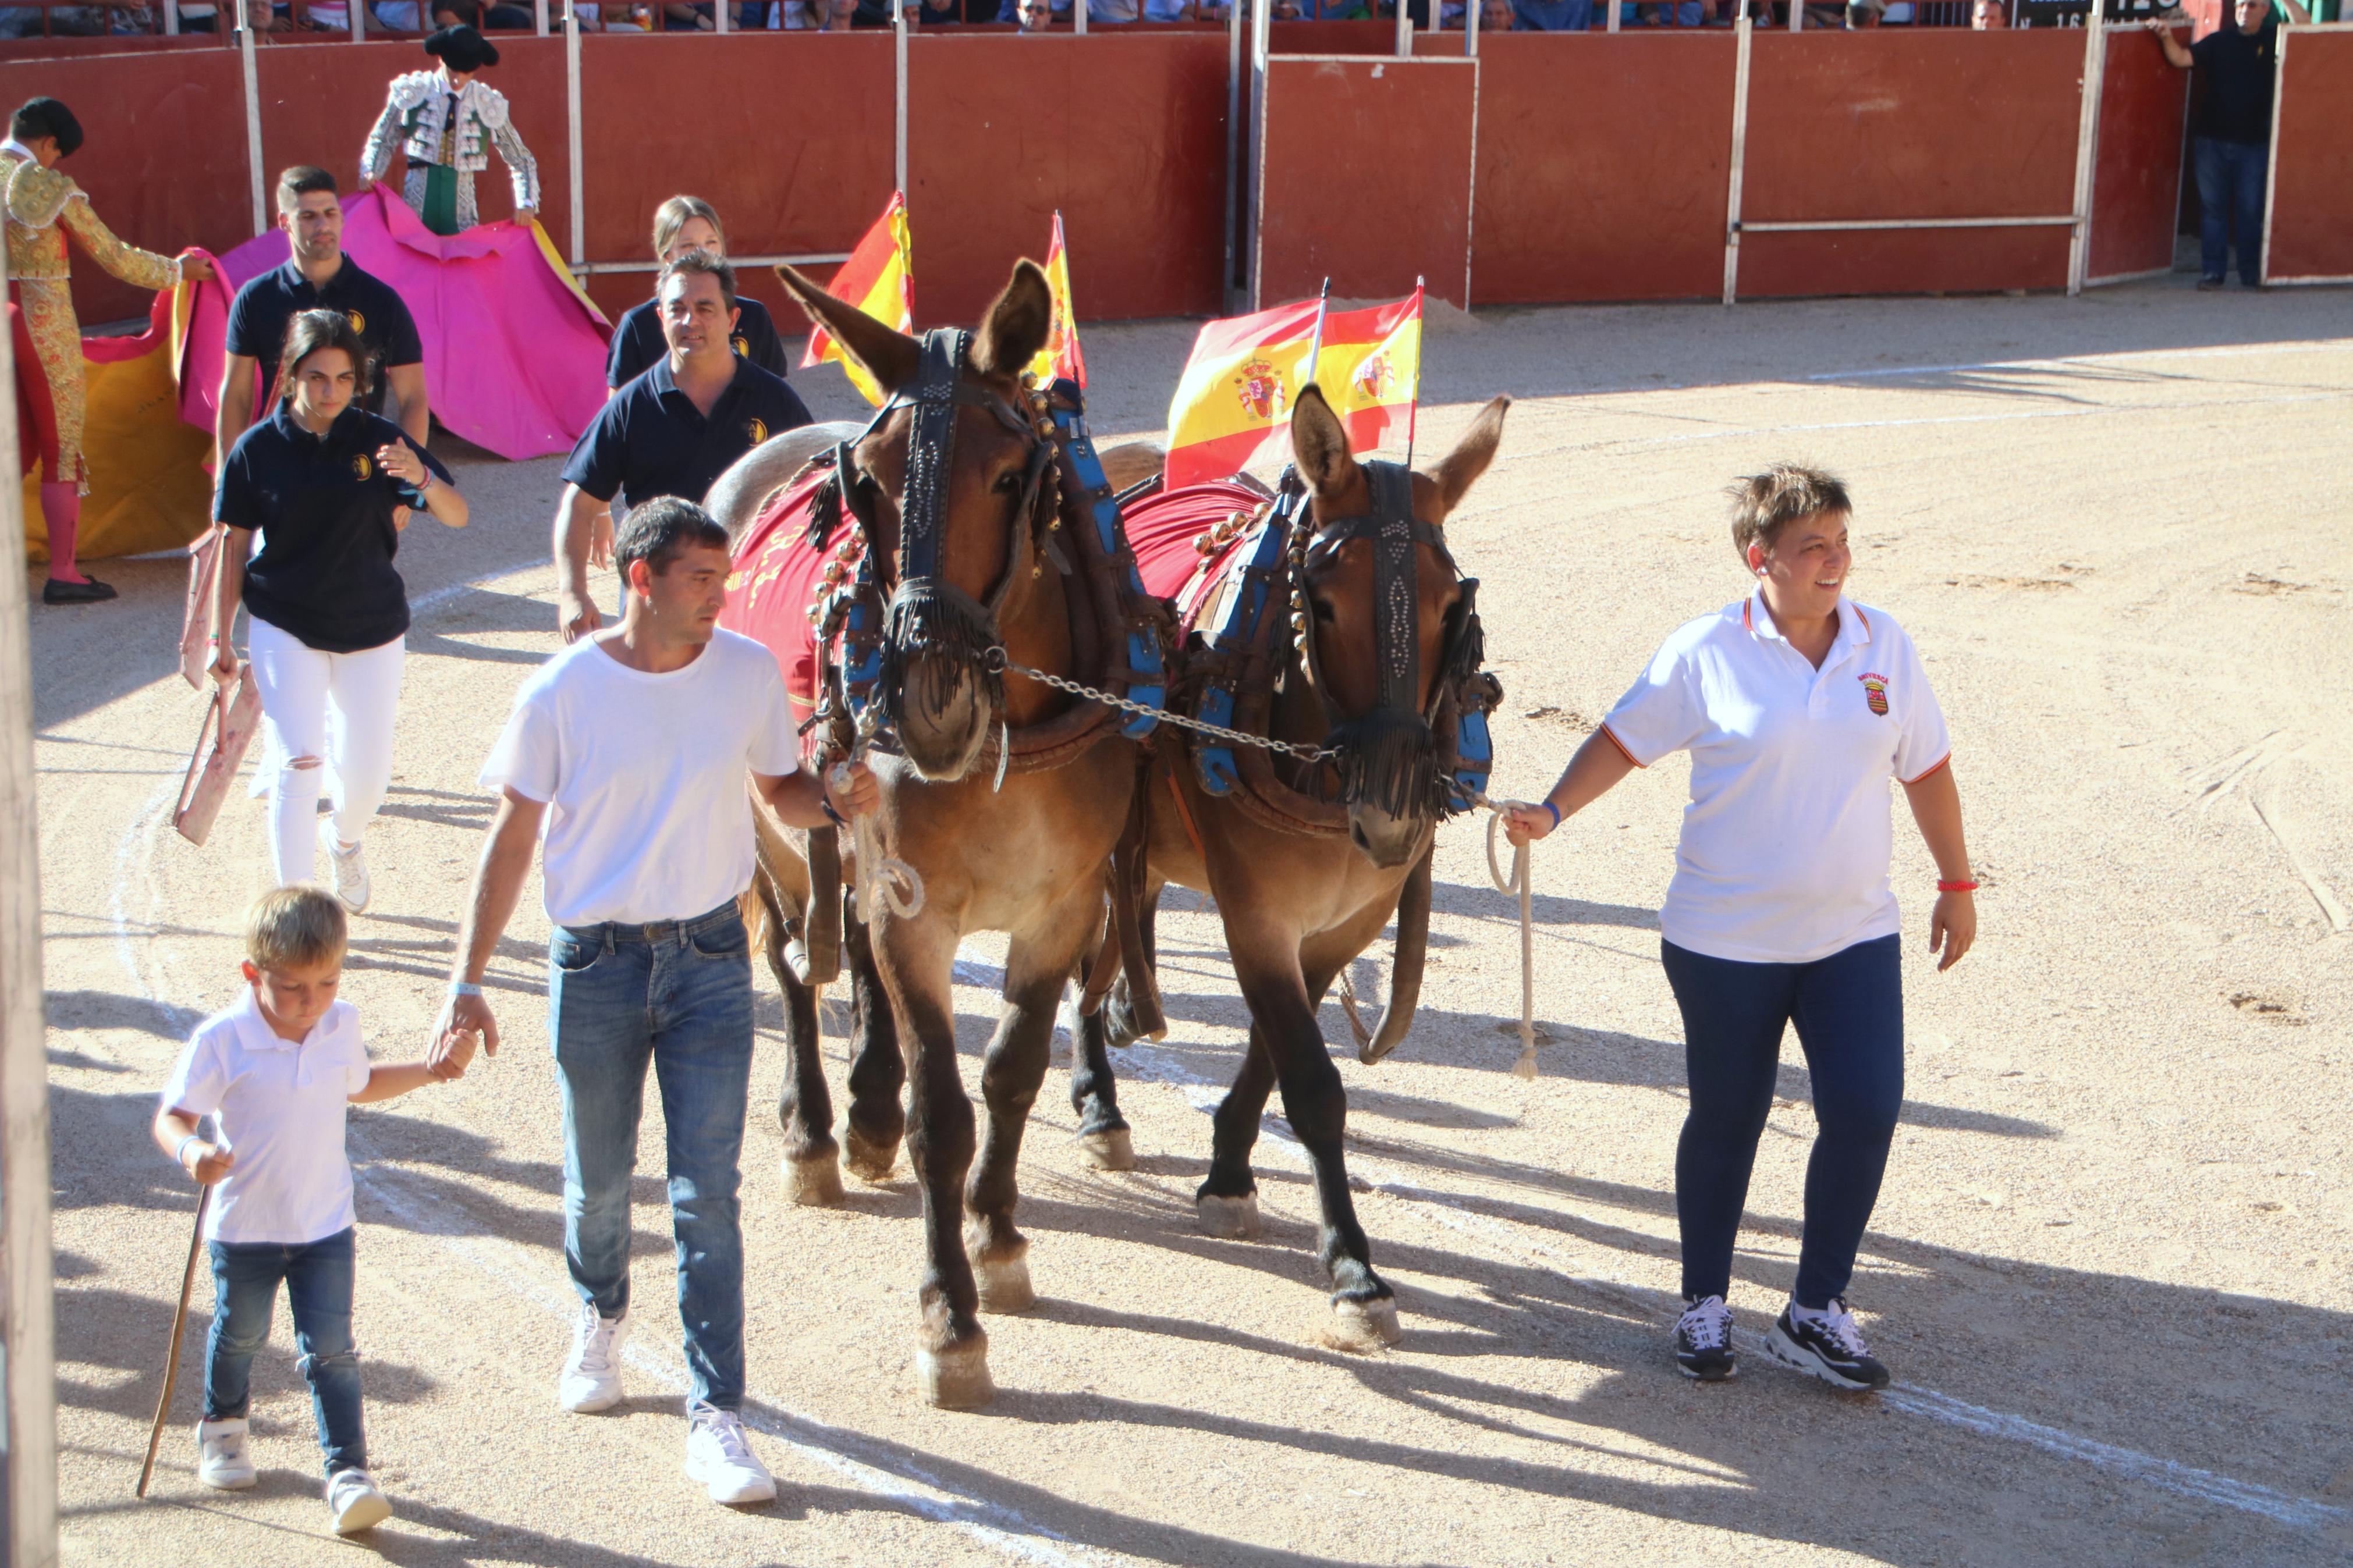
[(673, 430), (319, 276)]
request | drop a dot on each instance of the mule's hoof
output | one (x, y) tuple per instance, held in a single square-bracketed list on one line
[(814, 1180), (1004, 1284), (1362, 1326), (870, 1163), (1236, 1219), (955, 1378), (1110, 1150)]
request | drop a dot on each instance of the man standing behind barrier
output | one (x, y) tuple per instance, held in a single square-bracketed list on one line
[(634, 746), (318, 275), (2233, 134), (673, 430)]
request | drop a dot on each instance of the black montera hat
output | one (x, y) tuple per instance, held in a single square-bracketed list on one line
[(462, 48)]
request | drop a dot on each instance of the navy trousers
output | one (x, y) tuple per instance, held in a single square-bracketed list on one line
[(2230, 198), (1849, 1011)]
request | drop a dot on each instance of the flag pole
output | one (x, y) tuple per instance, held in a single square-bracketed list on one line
[(1316, 344), (1413, 409)]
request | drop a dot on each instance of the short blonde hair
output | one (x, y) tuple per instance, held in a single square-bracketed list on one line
[(295, 928), (672, 216), (1764, 504)]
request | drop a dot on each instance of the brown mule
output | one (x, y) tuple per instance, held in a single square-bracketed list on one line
[(1026, 856), (1304, 883)]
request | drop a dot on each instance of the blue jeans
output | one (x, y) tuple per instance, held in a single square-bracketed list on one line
[(317, 1275), (2230, 194), (1848, 1010), (678, 993)]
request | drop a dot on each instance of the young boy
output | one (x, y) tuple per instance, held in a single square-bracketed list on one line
[(275, 1072)]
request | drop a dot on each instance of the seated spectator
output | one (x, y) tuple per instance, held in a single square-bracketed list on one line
[(1988, 16), (1552, 16), (945, 12), (680, 16), (1865, 13)]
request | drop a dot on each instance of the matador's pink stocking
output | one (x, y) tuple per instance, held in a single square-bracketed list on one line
[(61, 510)]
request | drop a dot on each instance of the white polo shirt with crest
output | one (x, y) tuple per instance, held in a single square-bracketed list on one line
[(1786, 843), (278, 1105)]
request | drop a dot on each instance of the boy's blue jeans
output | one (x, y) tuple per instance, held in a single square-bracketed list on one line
[(317, 1275), (676, 993)]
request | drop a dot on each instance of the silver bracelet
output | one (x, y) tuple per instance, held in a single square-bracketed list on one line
[(180, 1155), (464, 988)]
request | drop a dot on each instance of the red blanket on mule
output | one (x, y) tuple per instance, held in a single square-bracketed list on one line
[(774, 582), (1162, 529)]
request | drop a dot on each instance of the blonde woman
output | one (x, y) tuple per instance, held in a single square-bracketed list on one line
[(682, 224)]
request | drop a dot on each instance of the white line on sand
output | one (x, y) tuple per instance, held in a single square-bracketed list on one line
[(2183, 1480), (2126, 356)]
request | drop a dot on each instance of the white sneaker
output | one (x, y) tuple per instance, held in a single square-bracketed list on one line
[(717, 1455), (354, 1503), (221, 1458), (350, 867), (592, 1373)]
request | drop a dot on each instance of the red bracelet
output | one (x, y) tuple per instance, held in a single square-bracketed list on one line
[(1970, 886)]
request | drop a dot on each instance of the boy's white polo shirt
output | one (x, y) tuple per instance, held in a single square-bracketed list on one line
[(278, 1105), (1785, 842)]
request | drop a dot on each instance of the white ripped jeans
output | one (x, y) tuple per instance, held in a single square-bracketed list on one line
[(322, 708)]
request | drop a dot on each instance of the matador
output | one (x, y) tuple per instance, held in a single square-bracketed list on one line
[(44, 207), (447, 122)]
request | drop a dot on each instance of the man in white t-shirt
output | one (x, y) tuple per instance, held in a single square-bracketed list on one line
[(632, 747)]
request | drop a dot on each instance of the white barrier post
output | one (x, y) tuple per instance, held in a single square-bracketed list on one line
[(719, 16), (29, 1433), (1262, 35), (1614, 9), (1405, 30), (539, 16), (1470, 27), (572, 135), (2088, 139), (1078, 17), (1742, 31), (1797, 11), (1233, 148), (252, 122), (899, 102), (358, 20)]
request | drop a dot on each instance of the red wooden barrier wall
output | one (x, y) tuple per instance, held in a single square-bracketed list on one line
[(1125, 133), (1602, 166), (2310, 232), (2137, 179), (163, 161), (1331, 203)]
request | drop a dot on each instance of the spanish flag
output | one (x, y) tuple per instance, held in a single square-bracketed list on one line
[(1233, 404), (880, 279), (1060, 356)]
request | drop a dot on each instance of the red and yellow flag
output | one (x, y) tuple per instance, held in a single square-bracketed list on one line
[(880, 279), (1060, 356), (1233, 404)]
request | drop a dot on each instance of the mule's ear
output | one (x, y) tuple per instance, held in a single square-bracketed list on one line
[(890, 357), (1017, 325), (1319, 443), (1461, 468)]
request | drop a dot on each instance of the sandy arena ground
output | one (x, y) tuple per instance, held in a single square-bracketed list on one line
[(2109, 1265)]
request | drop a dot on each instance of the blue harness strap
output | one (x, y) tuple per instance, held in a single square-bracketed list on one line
[(1143, 644), (1253, 572)]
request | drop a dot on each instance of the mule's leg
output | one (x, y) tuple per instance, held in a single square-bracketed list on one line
[(877, 1070), (1105, 1140), (1227, 1200), (1364, 1308), (913, 959), (812, 1164), (1036, 969)]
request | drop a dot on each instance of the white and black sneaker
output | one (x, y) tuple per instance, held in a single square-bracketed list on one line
[(1825, 1344), (1704, 1341)]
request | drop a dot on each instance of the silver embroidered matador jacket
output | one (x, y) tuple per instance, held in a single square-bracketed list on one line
[(448, 132)]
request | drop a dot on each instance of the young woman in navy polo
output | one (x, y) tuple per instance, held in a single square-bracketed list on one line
[(326, 487), (1798, 706), (682, 224)]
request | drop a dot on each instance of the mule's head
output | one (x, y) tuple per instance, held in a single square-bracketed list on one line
[(1379, 682), (942, 641)]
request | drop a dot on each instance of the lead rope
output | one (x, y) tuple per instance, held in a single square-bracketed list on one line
[(879, 874), (1523, 883)]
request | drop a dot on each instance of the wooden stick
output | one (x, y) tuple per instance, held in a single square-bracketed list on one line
[(179, 1327)]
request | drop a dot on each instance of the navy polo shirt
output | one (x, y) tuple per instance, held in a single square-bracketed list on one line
[(651, 440), (637, 340), (256, 322), (323, 505)]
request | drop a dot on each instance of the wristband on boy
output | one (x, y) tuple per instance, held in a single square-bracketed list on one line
[(464, 988), (1554, 810), (180, 1155), (1968, 886)]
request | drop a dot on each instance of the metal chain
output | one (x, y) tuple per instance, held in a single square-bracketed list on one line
[(1219, 732)]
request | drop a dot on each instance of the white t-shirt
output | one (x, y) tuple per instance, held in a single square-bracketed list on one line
[(278, 1105), (1786, 843), (643, 776)]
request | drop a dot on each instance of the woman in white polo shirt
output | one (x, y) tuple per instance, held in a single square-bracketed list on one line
[(1798, 706)]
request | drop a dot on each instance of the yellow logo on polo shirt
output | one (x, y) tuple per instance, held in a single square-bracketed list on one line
[(358, 322), (365, 468), (1875, 691), (756, 430), (743, 345)]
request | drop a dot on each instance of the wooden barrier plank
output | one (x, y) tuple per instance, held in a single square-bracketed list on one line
[(1125, 132), (1602, 165), (1364, 177), (164, 160), (2137, 179), (2309, 234)]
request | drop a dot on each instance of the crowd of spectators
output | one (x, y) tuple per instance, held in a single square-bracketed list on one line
[(700, 15)]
